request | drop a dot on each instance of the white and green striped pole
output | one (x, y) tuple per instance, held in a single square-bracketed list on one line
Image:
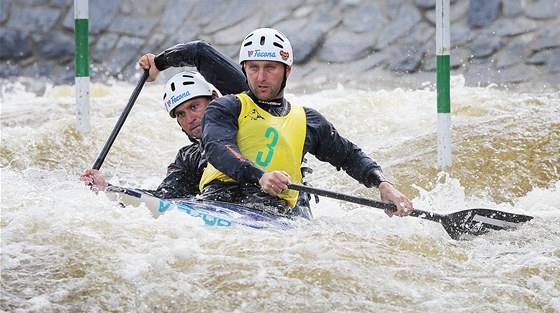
[(442, 82), (81, 30)]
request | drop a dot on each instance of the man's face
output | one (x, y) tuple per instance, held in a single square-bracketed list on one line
[(265, 78), (189, 114)]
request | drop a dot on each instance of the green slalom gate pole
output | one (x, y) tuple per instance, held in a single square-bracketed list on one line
[(81, 30), (443, 85)]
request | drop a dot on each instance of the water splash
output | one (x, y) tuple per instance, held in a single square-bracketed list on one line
[(64, 248)]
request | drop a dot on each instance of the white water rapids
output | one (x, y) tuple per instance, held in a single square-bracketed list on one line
[(65, 249)]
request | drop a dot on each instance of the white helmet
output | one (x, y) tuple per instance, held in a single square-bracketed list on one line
[(183, 87), (266, 44)]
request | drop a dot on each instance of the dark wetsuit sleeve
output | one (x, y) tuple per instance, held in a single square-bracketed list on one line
[(183, 175), (217, 68), (324, 141), (219, 137)]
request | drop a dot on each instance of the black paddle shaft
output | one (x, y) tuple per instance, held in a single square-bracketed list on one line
[(120, 122), (364, 201), (345, 197)]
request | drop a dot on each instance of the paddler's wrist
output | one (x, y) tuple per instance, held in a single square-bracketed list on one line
[(384, 185), (160, 62), (376, 178)]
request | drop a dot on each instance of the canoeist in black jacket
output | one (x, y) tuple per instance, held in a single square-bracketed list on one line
[(183, 175), (258, 138), (186, 96)]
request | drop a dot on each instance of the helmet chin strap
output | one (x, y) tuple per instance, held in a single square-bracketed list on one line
[(285, 78)]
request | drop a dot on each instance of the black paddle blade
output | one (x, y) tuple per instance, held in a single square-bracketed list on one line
[(473, 222)]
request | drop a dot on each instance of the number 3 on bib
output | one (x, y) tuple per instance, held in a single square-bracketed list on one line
[(270, 132)]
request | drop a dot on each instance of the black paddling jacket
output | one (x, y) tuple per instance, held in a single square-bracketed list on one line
[(183, 175), (220, 125)]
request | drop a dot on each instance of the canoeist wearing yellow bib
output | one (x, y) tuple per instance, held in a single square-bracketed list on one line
[(275, 143), (255, 142)]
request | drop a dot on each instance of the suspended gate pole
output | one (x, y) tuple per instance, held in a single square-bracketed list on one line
[(81, 30), (442, 83)]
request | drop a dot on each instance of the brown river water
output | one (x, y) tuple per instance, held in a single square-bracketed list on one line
[(65, 249)]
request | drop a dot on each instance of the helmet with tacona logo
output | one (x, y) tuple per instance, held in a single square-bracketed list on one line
[(266, 44), (185, 86)]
